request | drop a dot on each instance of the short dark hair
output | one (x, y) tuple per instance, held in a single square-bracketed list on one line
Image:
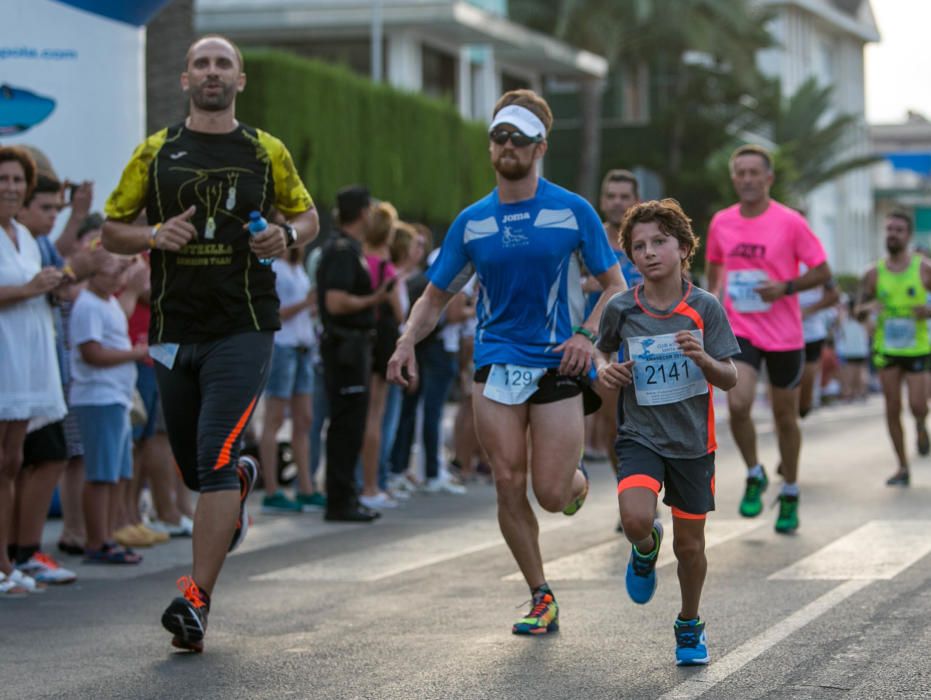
[(668, 215), (621, 175), (529, 100), (902, 215), (751, 149), (21, 155), (187, 55), (44, 185), (351, 202)]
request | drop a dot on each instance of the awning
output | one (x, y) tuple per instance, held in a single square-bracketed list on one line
[(451, 22)]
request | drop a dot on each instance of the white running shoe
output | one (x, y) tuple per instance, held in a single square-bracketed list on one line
[(184, 528), (380, 501), (399, 483), (44, 569), (444, 484), (27, 582), (10, 588)]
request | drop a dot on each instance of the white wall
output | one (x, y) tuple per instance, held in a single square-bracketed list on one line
[(97, 82), (841, 211)]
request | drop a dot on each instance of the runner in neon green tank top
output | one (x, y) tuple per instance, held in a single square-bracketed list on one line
[(896, 289), (900, 332)]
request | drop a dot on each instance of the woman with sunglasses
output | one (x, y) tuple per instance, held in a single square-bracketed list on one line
[(525, 241)]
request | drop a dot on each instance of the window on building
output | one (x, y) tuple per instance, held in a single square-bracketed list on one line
[(512, 82), (439, 74), (355, 54), (630, 93)]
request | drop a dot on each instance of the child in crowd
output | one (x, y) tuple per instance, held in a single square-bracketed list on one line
[(679, 343), (103, 375)]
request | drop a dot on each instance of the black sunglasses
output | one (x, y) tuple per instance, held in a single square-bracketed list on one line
[(518, 138)]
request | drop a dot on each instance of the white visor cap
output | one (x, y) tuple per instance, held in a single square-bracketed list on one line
[(521, 118)]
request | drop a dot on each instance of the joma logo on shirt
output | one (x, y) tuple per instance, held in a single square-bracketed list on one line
[(750, 251), (524, 216)]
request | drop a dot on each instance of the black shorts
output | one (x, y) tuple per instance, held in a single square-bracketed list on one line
[(689, 483), (208, 397), (911, 365), (813, 350), (554, 387), (46, 444), (784, 368)]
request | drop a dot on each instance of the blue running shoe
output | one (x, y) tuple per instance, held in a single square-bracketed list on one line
[(641, 570), (579, 500), (691, 643)]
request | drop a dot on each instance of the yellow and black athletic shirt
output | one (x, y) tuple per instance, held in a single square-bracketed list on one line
[(214, 286)]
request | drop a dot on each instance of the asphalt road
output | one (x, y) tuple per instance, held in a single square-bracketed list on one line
[(419, 605)]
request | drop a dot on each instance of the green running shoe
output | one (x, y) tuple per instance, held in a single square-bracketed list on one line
[(278, 503), (787, 522), (752, 503), (543, 617)]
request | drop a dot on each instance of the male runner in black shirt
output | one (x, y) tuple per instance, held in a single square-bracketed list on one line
[(214, 307)]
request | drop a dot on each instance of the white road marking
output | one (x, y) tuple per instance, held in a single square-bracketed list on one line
[(879, 550), (402, 555), (705, 679), (608, 561)]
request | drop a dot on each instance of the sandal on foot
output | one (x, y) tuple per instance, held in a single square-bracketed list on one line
[(111, 554)]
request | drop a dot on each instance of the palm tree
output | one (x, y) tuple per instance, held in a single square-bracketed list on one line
[(667, 36), (810, 140)]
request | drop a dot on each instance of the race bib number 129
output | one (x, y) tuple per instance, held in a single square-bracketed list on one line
[(512, 384)]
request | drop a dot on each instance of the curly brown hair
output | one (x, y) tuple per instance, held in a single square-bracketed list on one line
[(668, 215)]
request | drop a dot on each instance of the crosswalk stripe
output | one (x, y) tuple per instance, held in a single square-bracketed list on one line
[(608, 561), (880, 549), (402, 555), (704, 680)]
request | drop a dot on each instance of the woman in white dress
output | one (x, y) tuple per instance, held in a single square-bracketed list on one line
[(30, 384)]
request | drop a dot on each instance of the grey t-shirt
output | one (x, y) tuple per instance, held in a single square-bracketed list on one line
[(683, 429)]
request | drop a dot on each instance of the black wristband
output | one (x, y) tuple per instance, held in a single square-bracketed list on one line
[(790, 287)]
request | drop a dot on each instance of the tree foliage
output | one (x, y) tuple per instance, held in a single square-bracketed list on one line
[(342, 129)]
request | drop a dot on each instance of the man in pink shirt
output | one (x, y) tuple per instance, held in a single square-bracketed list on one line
[(753, 253)]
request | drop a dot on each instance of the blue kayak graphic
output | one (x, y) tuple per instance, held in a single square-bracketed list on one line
[(20, 109)]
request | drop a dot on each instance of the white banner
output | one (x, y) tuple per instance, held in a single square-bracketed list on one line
[(72, 84)]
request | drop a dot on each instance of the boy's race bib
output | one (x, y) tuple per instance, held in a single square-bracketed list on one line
[(512, 384), (662, 372)]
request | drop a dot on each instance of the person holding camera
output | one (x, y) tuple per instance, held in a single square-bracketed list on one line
[(347, 309)]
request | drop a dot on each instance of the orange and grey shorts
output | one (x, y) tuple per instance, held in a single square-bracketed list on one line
[(689, 483)]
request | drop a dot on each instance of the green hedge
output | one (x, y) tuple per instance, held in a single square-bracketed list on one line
[(341, 129)]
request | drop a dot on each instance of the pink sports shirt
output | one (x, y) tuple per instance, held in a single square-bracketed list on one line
[(768, 246)]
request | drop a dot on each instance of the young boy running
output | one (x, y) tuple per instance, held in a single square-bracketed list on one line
[(679, 343)]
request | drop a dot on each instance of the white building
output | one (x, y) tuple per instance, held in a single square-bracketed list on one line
[(825, 39), (468, 52), (902, 180)]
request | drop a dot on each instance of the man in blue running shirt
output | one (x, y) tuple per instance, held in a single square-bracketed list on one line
[(526, 242)]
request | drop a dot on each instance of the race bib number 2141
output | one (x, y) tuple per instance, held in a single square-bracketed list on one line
[(662, 372)]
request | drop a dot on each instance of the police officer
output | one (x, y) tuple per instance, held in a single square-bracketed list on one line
[(347, 310)]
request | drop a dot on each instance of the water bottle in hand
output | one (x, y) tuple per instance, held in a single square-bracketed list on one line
[(257, 224)]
